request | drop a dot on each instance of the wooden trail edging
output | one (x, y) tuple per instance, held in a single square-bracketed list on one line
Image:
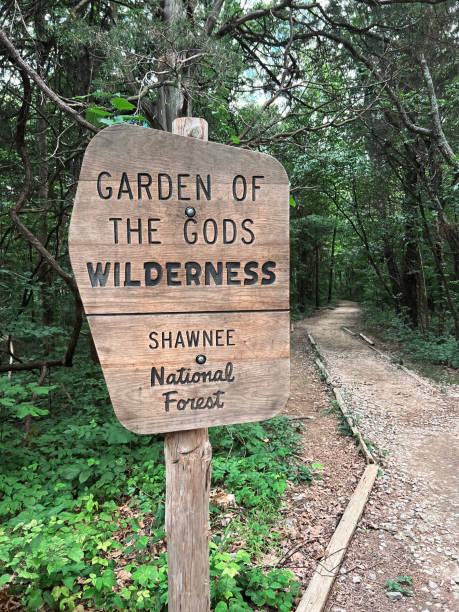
[(370, 344), (363, 447), (320, 585), (312, 341), (342, 406), (416, 377), (367, 340), (324, 371)]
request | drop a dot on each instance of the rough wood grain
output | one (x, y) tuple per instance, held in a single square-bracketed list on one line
[(319, 587), (145, 265), (367, 340), (241, 216), (188, 456), (188, 469), (256, 345), (193, 127)]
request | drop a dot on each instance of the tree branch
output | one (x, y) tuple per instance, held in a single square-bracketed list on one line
[(33, 240), (14, 56), (235, 22), (388, 2), (213, 16), (31, 365), (384, 83), (27, 186), (440, 137)]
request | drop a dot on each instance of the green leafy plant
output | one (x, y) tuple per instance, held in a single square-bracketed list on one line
[(236, 585), (414, 344), (398, 585), (19, 398), (344, 429), (112, 111), (80, 496)]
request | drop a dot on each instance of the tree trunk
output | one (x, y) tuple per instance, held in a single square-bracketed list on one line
[(440, 305), (394, 274), (410, 275), (171, 98), (317, 276), (45, 275), (423, 307), (441, 275), (332, 266), (411, 264)]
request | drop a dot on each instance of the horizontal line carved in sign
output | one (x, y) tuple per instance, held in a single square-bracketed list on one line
[(185, 312)]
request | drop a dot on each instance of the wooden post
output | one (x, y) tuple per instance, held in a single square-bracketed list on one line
[(188, 457), (188, 468), (320, 585), (119, 252)]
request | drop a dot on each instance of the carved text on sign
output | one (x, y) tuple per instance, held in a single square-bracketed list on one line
[(180, 252)]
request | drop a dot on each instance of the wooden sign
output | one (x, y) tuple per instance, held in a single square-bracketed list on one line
[(180, 249)]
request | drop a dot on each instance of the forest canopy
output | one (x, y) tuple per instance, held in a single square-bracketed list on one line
[(357, 100)]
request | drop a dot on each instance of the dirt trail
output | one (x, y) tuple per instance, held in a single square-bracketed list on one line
[(410, 526)]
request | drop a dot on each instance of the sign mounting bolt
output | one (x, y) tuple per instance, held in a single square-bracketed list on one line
[(201, 359), (190, 211)]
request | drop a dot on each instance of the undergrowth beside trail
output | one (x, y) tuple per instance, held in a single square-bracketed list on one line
[(82, 504), (421, 347)]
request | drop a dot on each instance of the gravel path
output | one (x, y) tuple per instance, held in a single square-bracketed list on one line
[(410, 525)]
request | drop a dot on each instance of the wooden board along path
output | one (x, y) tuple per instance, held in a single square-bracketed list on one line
[(180, 251), (319, 587)]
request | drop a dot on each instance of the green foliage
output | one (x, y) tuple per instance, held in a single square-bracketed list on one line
[(255, 460), (238, 587), (113, 112), (398, 585), (368, 443), (414, 344), (344, 428), (20, 400), (77, 500)]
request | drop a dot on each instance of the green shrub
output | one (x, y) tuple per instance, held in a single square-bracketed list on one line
[(414, 344), (78, 497)]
